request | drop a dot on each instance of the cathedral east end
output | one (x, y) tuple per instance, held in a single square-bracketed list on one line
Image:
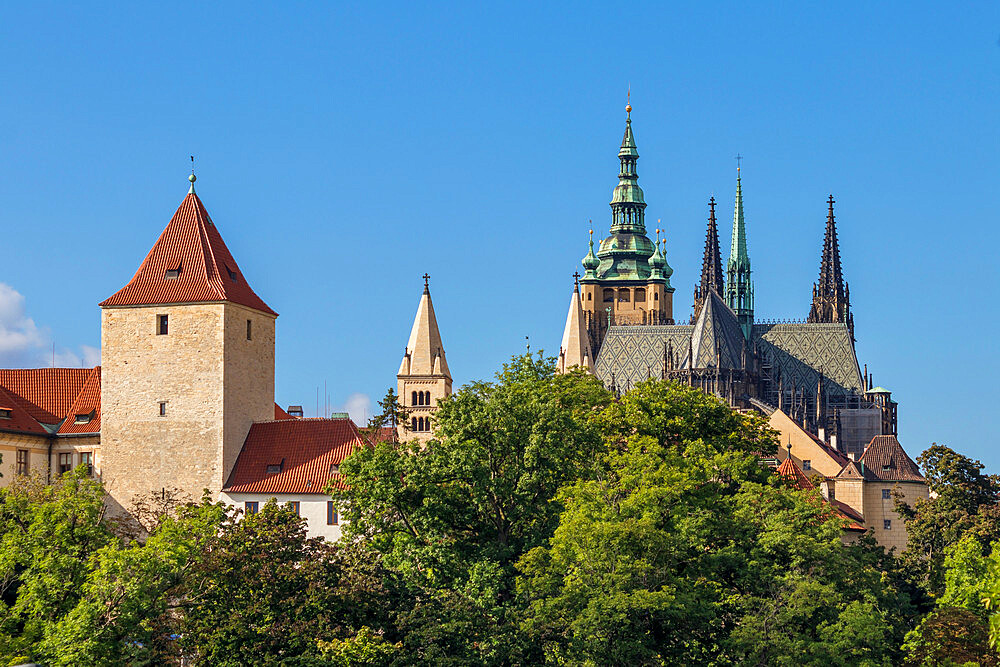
[(835, 426), (184, 398)]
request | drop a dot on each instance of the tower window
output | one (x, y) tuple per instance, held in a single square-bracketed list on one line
[(161, 325), (656, 296), (413, 423), (640, 294), (413, 396), (590, 297), (887, 524), (886, 494), (249, 329), (624, 294), (163, 408), (609, 295)]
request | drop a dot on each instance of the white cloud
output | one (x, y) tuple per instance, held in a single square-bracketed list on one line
[(359, 406), (25, 344)]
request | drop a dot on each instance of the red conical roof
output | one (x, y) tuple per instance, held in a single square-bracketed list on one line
[(791, 472), (192, 247)]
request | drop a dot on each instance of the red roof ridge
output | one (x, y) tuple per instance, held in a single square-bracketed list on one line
[(793, 474), (191, 242), (88, 402)]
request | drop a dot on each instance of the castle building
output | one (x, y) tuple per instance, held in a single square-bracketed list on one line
[(423, 378), (804, 376)]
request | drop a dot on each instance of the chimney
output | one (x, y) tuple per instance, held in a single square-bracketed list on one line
[(852, 455), (295, 411), (821, 432), (833, 441)]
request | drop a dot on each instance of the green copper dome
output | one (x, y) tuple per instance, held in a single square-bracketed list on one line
[(625, 254)]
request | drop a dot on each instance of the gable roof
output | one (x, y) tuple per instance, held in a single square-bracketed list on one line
[(19, 421), (717, 340), (47, 395), (886, 460), (191, 243), (305, 450), (88, 403)]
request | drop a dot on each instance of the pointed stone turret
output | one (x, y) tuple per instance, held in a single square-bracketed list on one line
[(423, 378), (711, 265), (831, 299), (575, 347), (739, 289)]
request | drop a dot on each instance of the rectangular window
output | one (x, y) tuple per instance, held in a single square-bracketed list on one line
[(161, 325), (886, 494), (887, 524), (6, 413), (173, 274), (83, 419), (249, 330), (833, 493), (65, 462), (807, 465), (87, 459), (331, 514), (22, 462), (251, 507), (163, 408), (294, 506)]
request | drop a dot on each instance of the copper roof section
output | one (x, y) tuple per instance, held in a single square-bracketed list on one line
[(201, 266), (885, 459), (305, 450)]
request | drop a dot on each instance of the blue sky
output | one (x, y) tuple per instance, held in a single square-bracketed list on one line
[(344, 150)]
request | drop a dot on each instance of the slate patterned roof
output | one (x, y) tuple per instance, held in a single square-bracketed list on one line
[(46, 396), (208, 273), (630, 353), (801, 350), (305, 448), (885, 458), (717, 340)]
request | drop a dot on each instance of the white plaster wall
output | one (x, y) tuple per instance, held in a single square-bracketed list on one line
[(312, 507)]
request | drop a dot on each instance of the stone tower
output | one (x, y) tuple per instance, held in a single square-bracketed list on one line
[(739, 288), (575, 349), (711, 265), (628, 280), (188, 364), (831, 297), (423, 378)]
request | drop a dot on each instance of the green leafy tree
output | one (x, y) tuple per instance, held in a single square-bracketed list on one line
[(964, 502), (689, 550), (451, 518)]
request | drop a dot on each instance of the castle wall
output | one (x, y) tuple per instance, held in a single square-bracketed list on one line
[(881, 509)]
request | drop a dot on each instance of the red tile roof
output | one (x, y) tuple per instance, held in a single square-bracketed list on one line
[(208, 272), (281, 414), (885, 459), (798, 480), (796, 477), (306, 450), (87, 404), (20, 421), (47, 395)]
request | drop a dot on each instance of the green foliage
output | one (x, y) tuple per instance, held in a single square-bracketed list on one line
[(949, 637), (365, 649), (452, 518), (687, 550), (965, 503)]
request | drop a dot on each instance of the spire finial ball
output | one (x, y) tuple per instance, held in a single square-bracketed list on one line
[(628, 108), (192, 178)]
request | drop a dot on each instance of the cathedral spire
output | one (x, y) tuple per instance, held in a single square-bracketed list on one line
[(739, 289), (575, 347), (711, 264), (831, 300), (424, 351), (627, 204)]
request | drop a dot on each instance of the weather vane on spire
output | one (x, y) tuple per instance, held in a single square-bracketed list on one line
[(739, 158), (192, 177), (628, 100)]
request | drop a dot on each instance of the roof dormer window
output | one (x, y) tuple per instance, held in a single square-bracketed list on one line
[(83, 418), (334, 468), (173, 273), (274, 468), (232, 274), (6, 413)]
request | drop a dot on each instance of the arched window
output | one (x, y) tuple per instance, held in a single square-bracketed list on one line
[(609, 295), (656, 296), (590, 297), (427, 398), (414, 402), (624, 294), (640, 294), (414, 426)]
